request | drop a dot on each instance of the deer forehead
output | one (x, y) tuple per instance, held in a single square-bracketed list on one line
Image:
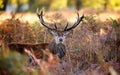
[(60, 33)]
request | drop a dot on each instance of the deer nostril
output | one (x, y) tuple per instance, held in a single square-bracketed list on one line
[(60, 39)]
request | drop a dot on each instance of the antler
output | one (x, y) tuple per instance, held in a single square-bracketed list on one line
[(42, 20), (75, 24), (66, 27)]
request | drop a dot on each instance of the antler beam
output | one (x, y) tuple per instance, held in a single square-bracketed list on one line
[(75, 24), (42, 20), (79, 19)]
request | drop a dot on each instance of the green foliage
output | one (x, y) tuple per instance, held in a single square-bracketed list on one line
[(12, 62), (12, 2), (16, 2), (47, 4), (108, 4), (115, 24), (1, 4), (34, 4), (114, 4), (55, 4), (71, 3), (93, 3), (58, 4)]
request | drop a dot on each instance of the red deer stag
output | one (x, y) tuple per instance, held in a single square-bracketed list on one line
[(56, 46)]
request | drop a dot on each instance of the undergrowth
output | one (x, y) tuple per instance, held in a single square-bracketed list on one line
[(92, 49)]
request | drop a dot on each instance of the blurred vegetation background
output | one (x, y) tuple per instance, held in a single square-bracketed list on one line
[(32, 5)]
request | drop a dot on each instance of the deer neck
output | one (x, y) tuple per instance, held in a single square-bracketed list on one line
[(57, 48)]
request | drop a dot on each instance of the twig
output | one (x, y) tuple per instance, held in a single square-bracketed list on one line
[(35, 58)]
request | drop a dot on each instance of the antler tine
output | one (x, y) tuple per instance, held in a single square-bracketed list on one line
[(55, 25), (42, 20), (66, 26), (75, 24)]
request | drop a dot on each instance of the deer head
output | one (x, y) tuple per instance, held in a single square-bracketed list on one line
[(59, 35)]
